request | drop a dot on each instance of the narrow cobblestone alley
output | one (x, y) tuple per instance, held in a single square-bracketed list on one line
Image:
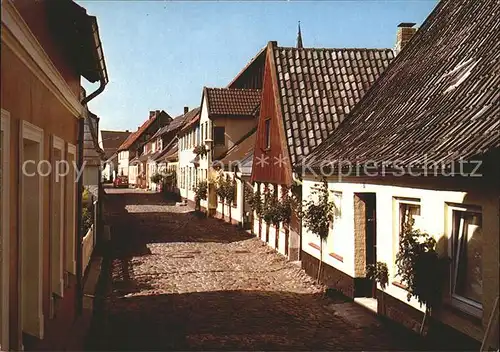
[(181, 282)]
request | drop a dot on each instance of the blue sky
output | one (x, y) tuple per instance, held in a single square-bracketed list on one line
[(160, 54)]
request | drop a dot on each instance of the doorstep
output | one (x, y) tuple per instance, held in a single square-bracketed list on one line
[(368, 303)]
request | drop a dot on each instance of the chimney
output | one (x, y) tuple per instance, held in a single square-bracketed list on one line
[(186, 109), (152, 114), (406, 30)]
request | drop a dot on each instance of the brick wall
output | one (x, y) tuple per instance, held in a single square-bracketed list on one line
[(359, 237)]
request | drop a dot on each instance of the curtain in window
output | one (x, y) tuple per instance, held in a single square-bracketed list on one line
[(406, 212), (467, 252)]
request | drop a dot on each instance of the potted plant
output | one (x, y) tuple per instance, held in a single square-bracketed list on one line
[(200, 191), (379, 273), (318, 216), (200, 150), (157, 178)]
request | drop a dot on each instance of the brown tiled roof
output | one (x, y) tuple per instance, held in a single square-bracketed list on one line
[(251, 76), (135, 135), (179, 121), (166, 149), (191, 119), (241, 149), (230, 101), (319, 87), (111, 140), (172, 154), (438, 101)]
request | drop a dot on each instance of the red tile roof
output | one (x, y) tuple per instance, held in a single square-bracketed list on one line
[(229, 101), (135, 135), (438, 101)]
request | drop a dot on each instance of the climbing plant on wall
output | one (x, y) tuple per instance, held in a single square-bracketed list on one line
[(420, 268)]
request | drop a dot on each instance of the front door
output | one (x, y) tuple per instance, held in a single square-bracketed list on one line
[(371, 235)]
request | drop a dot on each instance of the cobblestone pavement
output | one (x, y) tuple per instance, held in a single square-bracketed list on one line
[(183, 282)]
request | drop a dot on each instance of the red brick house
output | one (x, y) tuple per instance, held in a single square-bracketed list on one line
[(47, 47), (306, 94)]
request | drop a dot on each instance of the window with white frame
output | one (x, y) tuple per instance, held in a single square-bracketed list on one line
[(31, 228), (71, 186), (407, 211), (57, 217), (335, 226), (336, 198), (4, 229), (466, 242)]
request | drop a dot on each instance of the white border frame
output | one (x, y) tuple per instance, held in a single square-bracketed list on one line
[(5, 229), (58, 143), (70, 265), (33, 133), (463, 304), (35, 57)]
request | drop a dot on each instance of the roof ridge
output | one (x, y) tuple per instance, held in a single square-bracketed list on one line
[(339, 49), (234, 89), (116, 131)]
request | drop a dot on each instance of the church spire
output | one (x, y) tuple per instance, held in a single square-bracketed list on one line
[(299, 38)]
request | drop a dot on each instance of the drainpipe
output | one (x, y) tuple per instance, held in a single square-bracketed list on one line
[(79, 254), (79, 279)]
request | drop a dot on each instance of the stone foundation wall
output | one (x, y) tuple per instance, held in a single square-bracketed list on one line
[(331, 277), (439, 335)]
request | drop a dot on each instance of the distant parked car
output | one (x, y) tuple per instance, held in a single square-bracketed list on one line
[(120, 181)]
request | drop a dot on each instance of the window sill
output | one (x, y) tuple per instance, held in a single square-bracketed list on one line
[(315, 246), (449, 309), (400, 285), (336, 256)]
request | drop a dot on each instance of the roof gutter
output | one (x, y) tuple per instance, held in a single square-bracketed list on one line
[(103, 73)]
